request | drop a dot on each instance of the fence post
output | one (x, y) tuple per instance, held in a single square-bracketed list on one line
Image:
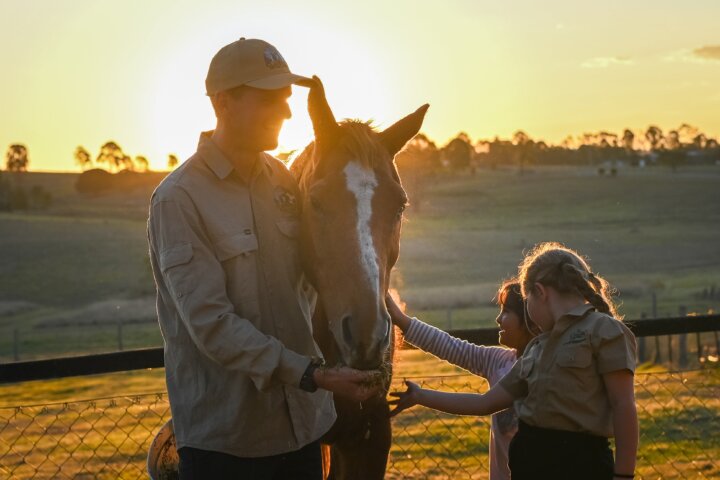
[(669, 343), (642, 353), (16, 344), (682, 338), (654, 305), (119, 334)]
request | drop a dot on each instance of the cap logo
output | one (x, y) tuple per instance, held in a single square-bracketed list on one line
[(273, 59)]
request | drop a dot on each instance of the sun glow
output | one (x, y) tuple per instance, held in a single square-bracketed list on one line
[(133, 72)]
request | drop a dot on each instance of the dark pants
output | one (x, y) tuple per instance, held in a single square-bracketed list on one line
[(538, 453), (303, 464)]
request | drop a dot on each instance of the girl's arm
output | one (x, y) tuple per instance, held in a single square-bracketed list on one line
[(495, 400), (478, 359), (621, 392)]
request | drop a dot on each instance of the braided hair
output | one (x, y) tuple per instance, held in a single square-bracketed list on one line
[(554, 265)]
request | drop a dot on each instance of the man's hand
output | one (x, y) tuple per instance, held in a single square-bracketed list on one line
[(397, 315), (408, 398), (358, 385)]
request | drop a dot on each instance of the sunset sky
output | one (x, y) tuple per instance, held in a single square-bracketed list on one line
[(81, 72)]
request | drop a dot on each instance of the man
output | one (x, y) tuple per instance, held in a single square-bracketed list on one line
[(247, 397)]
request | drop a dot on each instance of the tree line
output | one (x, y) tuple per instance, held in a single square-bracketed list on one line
[(649, 146), (111, 156), (652, 146)]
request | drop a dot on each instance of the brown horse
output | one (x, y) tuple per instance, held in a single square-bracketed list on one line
[(352, 207)]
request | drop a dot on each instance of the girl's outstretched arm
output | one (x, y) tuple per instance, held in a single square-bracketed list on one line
[(495, 400), (621, 392)]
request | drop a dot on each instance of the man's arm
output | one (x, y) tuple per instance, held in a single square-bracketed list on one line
[(184, 261), (495, 400)]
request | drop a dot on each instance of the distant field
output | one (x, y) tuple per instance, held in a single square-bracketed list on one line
[(645, 230), (70, 275)]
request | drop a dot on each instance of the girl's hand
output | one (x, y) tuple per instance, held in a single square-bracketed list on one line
[(408, 398), (397, 315)]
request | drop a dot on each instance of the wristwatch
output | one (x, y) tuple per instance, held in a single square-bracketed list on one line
[(307, 381)]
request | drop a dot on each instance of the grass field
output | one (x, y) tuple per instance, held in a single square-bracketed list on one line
[(71, 274)]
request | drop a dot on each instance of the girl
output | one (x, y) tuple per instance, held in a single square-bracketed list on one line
[(573, 385), (491, 363)]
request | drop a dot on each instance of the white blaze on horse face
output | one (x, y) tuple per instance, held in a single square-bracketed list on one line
[(362, 182)]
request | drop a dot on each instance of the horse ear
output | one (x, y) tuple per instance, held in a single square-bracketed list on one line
[(323, 120), (397, 135)]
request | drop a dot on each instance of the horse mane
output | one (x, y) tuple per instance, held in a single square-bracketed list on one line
[(362, 140)]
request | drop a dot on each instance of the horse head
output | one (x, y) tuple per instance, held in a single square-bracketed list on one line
[(352, 204)]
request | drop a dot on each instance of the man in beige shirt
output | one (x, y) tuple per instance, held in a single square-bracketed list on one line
[(247, 394)]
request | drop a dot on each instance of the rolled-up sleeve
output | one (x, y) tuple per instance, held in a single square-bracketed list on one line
[(196, 281), (513, 383)]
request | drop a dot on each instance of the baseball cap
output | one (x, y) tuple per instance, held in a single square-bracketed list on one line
[(250, 62)]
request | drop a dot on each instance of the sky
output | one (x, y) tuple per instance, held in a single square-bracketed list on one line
[(83, 72)]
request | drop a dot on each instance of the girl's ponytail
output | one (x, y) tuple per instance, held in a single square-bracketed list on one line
[(557, 266)]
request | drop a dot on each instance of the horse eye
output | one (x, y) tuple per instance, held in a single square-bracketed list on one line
[(400, 211)]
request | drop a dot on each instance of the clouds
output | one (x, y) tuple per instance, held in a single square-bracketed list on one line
[(605, 62), (704, 54), (708, 53)]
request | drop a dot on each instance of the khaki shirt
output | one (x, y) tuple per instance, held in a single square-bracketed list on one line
[(558, 382), (234, 307)]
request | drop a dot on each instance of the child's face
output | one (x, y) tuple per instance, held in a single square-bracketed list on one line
[(512, 330), (538, 310)]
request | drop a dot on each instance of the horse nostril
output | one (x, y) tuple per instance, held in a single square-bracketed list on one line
[(347, 335)]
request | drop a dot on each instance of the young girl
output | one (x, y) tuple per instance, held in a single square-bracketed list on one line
[(491, 363), (573, 385)]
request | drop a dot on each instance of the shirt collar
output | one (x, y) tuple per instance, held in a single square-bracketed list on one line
[(570, 317), (213, 157), (222, 167)]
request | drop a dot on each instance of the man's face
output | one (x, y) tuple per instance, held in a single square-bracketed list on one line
[(255, 116)]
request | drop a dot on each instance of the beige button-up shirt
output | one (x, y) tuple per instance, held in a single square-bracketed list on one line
[(234, 307), (558, 383)]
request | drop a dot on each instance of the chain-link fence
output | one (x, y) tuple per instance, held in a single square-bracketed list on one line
[(109, 438)]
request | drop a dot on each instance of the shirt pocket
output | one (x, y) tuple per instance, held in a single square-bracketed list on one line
[(574, 368), (175, 266), (237, 253), (576, 356)]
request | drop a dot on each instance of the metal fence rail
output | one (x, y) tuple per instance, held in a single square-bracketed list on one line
[(109, 438)]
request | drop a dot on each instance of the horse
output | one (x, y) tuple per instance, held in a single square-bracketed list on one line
[(352, 204)]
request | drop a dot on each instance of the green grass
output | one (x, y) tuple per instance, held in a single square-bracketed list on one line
[(82, 264), (645, 231)]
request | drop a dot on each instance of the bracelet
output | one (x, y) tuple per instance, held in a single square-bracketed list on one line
[(624, 475)]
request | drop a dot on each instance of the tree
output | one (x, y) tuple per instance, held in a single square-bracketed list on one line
[(672, 140), (112, 154), (415, 163), (172, 161), (142, 163), (523, 149), (654, 137), (82, 157), (458, 152), (628, 140), (17, 158)]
